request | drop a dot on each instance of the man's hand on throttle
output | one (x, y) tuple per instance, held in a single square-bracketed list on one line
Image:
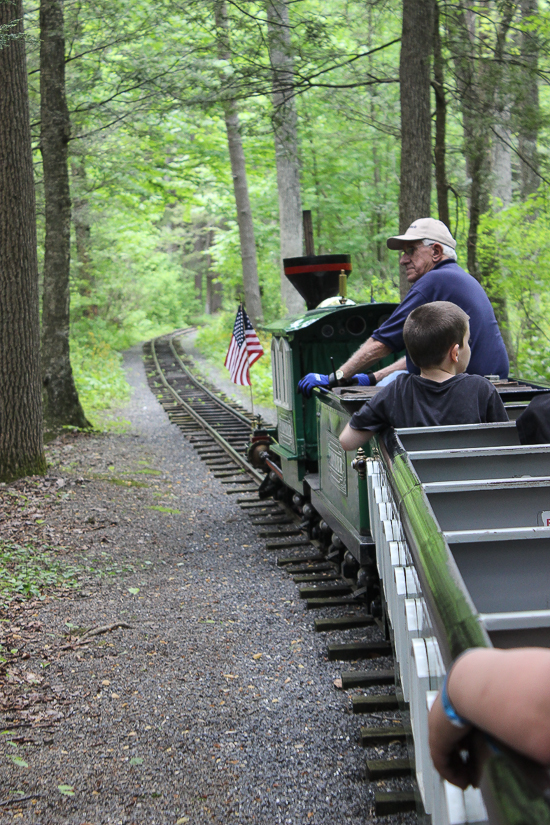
[(311, 380)]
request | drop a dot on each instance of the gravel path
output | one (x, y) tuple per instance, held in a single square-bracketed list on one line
[(217, 704)]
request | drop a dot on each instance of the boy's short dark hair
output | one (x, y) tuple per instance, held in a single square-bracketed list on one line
[(432, 329)]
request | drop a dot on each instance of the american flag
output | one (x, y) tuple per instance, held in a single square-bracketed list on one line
[(244, 349)]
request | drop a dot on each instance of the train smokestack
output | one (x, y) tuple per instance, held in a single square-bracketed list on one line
[(316, 277)]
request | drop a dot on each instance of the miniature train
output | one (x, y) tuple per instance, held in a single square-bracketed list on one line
[(441, 529)]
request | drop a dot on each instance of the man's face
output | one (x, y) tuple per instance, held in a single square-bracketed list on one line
[(417, 260)]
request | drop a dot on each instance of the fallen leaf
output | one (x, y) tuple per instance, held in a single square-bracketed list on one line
[(133, 590), (18, 761), (182, 820), (32, 678), (257, 656), (66, 790), (338, 684), (136, 760)]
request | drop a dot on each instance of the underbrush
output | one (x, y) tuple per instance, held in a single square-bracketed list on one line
[(99, 377), (28, 570), (213, 340)]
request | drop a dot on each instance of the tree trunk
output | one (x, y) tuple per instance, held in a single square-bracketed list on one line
[(285, 127), (529, 105), (441, 185), (21, 448), (416, 134), (238, 168), (214, 294), (83, 232), (478, 82), (61, 404), (502, 155)]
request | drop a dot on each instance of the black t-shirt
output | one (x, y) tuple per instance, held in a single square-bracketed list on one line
[(413, 401), (533, 424)]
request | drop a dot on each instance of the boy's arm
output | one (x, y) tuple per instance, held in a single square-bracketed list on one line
[(351, 439)]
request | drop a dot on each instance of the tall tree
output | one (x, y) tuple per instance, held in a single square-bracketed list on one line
[(285, 125), (416, 124), (441, 183), (62, 406), (21, 449), (529, 101), (479, 63), (240, 186)]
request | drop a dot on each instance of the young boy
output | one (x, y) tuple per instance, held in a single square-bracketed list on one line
[(436, 336)]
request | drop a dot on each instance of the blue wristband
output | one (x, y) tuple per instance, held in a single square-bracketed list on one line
[(450, 712)]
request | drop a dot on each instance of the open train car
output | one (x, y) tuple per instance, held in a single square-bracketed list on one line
[(445, 531)]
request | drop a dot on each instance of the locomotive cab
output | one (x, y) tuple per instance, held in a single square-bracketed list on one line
[(307, 343)]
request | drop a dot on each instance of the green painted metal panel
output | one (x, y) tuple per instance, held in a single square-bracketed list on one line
[(339, 485)]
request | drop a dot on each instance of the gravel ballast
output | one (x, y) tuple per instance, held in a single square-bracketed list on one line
[(216, 703)]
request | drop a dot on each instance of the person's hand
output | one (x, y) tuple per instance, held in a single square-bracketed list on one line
[(450, 748), (363, 379), (311, 380)]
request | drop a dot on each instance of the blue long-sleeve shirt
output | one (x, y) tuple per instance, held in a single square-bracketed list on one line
[(449, 282)]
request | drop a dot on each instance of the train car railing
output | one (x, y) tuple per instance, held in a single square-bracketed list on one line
[(438, 544)]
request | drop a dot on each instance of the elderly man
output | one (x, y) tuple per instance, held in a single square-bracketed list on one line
[(428, 254)]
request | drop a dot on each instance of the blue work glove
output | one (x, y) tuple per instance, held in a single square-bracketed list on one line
[(364, 379), (311, 380)]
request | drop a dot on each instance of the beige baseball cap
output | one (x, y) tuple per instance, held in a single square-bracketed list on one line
[(423, 228)]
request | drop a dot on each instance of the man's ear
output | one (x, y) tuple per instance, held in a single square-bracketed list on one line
[(438, 252), (453, 353)]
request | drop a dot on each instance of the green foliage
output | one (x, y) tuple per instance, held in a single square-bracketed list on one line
[(30, 570), (515, 247), (98, 375)]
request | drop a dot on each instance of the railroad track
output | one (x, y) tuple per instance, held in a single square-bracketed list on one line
[(220, 430)]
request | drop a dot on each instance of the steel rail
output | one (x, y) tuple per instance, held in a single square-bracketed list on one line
[(199, 384), (237, 457)]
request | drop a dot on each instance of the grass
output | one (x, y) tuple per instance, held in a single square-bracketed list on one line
[(28, 570)]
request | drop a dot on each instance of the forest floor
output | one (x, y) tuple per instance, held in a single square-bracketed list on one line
[(173, 676)]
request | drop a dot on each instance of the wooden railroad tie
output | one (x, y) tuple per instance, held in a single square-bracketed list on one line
[(320, 591), (343, 623), (388, 768), (281, 545), (366, 678), (311, 567), (311, 558), (311, 578), (374, 704), (358, 650), (383, 736), (335, 601), (394, 802)]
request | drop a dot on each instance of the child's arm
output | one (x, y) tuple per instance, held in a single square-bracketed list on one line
[(503, 692), (351, 439)]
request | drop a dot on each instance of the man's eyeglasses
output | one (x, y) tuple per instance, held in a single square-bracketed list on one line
[(409, 250)]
